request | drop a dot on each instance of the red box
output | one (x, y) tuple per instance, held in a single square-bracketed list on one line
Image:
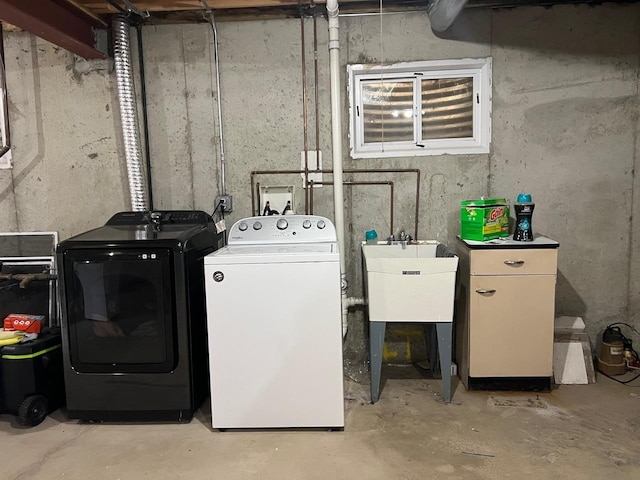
[(23, 322)]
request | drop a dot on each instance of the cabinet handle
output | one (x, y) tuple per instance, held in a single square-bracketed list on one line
[(513, 263), (486, 292)]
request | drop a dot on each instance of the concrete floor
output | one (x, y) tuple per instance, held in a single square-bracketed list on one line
[(574, 432)]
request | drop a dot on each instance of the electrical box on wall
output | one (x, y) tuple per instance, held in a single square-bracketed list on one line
[(276, 200), (314, 165)]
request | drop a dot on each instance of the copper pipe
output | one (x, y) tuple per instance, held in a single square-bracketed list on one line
[(258, 188), (349, 182), (315, 60), (304, 112), (365, 170), (311, 184)]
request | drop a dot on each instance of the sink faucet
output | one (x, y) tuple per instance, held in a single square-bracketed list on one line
[(403, 239)]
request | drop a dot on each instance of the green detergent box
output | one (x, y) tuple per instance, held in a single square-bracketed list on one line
[(484, 219)]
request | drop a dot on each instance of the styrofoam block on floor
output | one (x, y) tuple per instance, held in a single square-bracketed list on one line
[(569, 366), (569, 323)]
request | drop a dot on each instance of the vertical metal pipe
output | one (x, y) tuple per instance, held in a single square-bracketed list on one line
[(304, 116), (315, 82), (129, 112), (253, 197), (223, 180), (145, 117)]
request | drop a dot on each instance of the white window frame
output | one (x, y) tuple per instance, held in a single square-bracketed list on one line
[(5, 149), (477, 68)]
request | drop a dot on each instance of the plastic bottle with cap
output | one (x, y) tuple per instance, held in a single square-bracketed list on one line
[(524, 212), (371, 237)]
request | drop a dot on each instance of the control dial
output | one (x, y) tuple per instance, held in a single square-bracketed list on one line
[(242, 227), (281, 224), (257, 226), (321, 224), (306, 224)]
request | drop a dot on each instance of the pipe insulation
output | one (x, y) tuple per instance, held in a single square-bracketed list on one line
[(129, 113)]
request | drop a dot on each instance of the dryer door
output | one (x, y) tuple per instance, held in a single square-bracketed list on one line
[(119, 310)]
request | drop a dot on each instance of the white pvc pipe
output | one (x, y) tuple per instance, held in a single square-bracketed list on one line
[(336, 125), (336, 137)]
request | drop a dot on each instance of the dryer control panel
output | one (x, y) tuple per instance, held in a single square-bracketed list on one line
[(282, 229)]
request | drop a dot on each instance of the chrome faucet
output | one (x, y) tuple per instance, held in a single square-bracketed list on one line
[(403, 239)]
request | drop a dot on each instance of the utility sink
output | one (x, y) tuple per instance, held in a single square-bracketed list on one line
[(410, 283)]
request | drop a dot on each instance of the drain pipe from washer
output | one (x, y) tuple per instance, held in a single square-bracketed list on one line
[(129, 113), (336, 137)]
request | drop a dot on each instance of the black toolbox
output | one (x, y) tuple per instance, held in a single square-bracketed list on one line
[(32, 377)]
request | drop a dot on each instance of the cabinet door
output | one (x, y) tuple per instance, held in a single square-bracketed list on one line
[(511, 325)]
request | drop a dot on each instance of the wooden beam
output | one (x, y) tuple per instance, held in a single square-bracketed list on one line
[(181, 11), (103, 7), (58, 24)]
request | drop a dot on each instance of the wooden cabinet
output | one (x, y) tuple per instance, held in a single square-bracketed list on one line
[(505, 313)]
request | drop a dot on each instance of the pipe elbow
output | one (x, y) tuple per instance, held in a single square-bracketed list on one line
[(332, 8)]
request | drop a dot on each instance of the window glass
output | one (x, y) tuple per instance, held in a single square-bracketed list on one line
[(447, 108), (387, 111)]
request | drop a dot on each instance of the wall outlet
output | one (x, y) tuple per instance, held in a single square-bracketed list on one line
[(225, 203)]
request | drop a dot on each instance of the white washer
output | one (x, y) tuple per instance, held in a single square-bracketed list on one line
[(274, 325)]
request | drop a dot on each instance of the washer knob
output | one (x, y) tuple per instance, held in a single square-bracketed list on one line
[(306, 224), (242, 227), (321, 224), (281, 224), (257, 226)]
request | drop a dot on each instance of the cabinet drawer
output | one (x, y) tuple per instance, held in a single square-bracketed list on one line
[(520, 261)]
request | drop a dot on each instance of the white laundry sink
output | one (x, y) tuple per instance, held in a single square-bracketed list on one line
[(409, 283)]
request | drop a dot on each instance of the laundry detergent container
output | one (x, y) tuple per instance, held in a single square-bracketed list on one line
[(410, 283)]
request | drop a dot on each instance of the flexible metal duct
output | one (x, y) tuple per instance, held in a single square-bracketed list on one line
[(442, 13), (129, 113)]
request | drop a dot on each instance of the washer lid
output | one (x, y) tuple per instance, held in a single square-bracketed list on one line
[(274, 253)]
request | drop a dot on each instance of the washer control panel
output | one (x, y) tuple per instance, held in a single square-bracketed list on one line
[(282, 229)]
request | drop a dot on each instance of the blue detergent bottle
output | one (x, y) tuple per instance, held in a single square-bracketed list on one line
[(524, 213), (371, 237)]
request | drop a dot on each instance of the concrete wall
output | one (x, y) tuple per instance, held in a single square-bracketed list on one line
[(565, 129)]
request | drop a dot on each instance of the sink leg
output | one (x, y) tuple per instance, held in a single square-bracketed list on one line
[(444, 347), (376, 343)]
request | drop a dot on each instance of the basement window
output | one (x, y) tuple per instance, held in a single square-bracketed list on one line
[(420, 108)]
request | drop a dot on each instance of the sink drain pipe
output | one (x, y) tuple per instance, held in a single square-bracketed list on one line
[(129, 113), (336, 153)]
